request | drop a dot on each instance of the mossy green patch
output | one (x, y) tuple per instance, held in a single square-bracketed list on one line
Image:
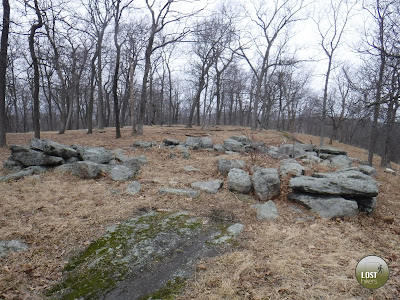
[(169, 291), (121, 251)]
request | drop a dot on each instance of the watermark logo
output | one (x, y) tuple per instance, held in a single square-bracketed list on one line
[(372, 272)]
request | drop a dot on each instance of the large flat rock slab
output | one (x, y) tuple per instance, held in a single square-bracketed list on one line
[(138, 258), (337, 184), (326, 206)]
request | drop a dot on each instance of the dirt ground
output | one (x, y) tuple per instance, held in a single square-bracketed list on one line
[(58, 215)]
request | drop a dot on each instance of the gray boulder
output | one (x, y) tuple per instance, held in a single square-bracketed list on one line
[(225, 165), (29, 157), (290, 166), (97, 155), (326, 206), (266, 183), (242, 139), (194, 143), (346, 184), (293, 150), (11, 164), (206, 143), (180, 192), (25, 172), (239, 181), (171, 142), (330, 150), (219, 148), (143, 144), (86, 169), (266, 211), (121, 173), (64, 168), (340, 161), (208, 186), (133, 188), (234, 145), (53, 148)]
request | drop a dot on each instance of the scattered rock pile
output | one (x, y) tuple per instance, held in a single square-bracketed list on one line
[(337, 194), (85, 162)]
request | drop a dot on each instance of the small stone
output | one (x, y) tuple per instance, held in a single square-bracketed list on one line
[(133, 188), (181, 192), (208, 186), (235, 229), (191, 169)]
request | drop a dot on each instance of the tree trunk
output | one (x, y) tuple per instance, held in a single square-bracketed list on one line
[(3, 68), (323, 118), (35, 62), (91, 98)]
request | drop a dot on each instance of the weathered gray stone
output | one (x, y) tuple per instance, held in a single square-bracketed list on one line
[(121, 173), (340, 184), (219, 148), (235, 229), (64, 168), (326, 206), (133, 188), (234, 145), (206, 143), (225, 165), (390, 171), (266, 211), (53, 148), (11, 246), (171, 142), (11, 164), (290, 166), (180, 192), (29, 157), (143, 144), (25, 172), (97, 155), (340, 161), (330, 150), (293, 150), (191, 169), (211, 186), (239, 181), (194, 143), (266, 183), (368, 170), (86, 169), (242, 139)]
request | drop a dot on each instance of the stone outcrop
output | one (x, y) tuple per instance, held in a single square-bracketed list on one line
[(266, 183), (347, 184), (239, 181), (53, 148), (326, 206), (30, 157)]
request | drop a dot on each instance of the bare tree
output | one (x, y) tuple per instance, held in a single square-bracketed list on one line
[(331, 27), (272, 20), (3, 68), (35, 62)]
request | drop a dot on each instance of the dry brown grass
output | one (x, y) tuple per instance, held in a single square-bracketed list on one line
[(59, 215)]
